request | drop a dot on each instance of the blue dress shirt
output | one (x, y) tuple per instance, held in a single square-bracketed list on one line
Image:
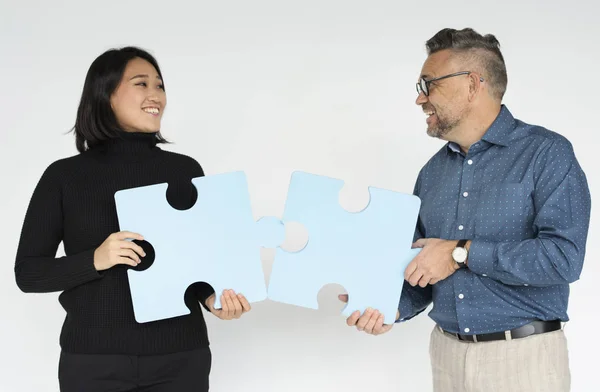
[(520, 195)]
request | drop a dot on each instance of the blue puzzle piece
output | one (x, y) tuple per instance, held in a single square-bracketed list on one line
[(217, 241), (366, 252)]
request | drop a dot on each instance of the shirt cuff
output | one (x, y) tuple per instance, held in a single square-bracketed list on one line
[(405, 307), (481, 257)]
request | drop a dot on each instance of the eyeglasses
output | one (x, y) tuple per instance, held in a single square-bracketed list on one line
[(423, 84)]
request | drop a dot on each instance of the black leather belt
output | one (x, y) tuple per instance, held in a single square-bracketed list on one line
[(533, 328)]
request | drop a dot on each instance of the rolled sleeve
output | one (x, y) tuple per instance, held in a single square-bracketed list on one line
[(562, 202), (481, 257), (413, 301)]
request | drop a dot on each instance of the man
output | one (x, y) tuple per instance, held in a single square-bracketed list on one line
[(503, 228)]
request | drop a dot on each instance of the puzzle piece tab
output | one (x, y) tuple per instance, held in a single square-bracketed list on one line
[(366, 252), (216, 241)]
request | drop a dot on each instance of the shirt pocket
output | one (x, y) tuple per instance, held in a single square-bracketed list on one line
[(503, 212)]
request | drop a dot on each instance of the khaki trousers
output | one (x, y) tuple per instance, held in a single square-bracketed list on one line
[(539, 363)]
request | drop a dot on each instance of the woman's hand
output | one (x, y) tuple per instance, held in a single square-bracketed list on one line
[(116, 249), (232, 305)]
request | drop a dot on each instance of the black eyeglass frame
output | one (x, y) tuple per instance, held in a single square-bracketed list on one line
[(423, 84)]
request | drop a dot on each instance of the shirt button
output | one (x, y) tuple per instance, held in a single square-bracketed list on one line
[(461, 227), (461, 296), (483, 274), (470, 161), (467, 330), (466, 194)]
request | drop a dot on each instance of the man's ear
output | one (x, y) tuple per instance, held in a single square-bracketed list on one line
[(475, 86)]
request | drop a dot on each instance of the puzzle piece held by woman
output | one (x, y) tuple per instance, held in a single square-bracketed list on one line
[(216, 241), (366, 252)]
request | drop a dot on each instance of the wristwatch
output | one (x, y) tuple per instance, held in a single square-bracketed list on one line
[(460, 254)]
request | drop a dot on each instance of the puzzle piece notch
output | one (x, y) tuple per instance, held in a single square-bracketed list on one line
[(328, 299), (342, 246), (296, 237), (148, 259), (271, 231), (354, 198), (289, 236), (215, 241)]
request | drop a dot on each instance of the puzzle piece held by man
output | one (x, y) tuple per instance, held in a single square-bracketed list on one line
[(366, 252), (217, 241)]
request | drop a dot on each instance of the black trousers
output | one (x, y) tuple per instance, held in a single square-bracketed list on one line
[(180, 372)]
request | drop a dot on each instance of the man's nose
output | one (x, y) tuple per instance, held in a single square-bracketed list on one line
[(421, 98)]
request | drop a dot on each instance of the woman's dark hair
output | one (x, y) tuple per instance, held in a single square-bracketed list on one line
[(96, 120)]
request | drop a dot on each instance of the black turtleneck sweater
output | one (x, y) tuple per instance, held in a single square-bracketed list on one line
[(74, 203)]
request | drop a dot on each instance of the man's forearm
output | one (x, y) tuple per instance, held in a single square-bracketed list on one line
[(535, 262)]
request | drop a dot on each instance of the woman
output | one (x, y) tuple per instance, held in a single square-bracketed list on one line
[(117, 135)]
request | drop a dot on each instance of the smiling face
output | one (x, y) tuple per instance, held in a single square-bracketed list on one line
[(447, 104), (139, 100)]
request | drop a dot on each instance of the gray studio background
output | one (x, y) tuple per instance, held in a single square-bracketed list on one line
[(270, 87)]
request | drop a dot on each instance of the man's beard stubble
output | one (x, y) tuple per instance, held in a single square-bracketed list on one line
[(442, 126)]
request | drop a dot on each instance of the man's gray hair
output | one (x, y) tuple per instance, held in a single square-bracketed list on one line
[(479, 51)]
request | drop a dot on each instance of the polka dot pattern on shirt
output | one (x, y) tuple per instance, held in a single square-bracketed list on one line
[(520, 195)]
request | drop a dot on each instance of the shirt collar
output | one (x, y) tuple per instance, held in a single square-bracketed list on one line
[(500, 132)]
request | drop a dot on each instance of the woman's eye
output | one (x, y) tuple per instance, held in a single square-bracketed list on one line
[(144, 84)]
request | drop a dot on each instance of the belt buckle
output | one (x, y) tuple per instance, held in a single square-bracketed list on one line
[(466, 338)]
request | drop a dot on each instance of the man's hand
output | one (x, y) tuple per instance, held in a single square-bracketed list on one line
[(370, 322), (232, 305), (433, 263)]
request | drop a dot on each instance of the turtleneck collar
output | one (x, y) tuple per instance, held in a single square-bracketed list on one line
[(128, 146)]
